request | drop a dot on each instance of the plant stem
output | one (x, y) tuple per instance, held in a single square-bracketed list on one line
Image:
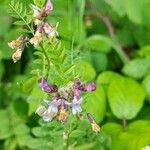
[(107, 21), (48, 61), (21, 18), (124, 124)]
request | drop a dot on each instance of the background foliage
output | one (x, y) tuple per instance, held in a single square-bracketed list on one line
[(109, 42)]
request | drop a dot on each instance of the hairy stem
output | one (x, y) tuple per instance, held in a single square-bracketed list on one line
[(21, 18)]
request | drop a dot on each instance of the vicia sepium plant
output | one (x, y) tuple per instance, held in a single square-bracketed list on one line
[(66, 98)]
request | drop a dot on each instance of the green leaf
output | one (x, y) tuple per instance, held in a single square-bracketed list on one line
[(118, 6), (146, 84), (106, 77), (29, 84), (21, 129), (5, 129), (137, 68), (10, 144), (99, 61), (87, 146), (35, 99), (112, 129), (144, 52), (21, 108), (96, 103), (139, 126), (134, 10), (21, 23), (77, 133), (86, 70), (99, 43), (125, 98)]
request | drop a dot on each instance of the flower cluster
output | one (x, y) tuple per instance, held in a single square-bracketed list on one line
[(59, 106), (42, 28), (63, 99)]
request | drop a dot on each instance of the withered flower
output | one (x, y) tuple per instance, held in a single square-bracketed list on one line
[(95, 126), (18, 45), (38, 36)]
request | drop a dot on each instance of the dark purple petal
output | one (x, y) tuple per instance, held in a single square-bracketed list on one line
[(90, 87), (47, 88)]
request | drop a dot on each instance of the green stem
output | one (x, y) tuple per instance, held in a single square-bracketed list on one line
[(124, 124), (21, 18), (48, 61)]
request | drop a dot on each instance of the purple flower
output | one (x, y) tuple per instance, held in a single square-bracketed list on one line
[(46, 87), (90, 87)]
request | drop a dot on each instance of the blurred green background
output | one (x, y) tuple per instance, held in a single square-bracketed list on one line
[(112, 38)]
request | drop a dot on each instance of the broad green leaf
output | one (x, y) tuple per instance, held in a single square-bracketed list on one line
[(106, 77), (96, 103), (99, 43), (118, 6), (137, 68), (99, 61), (112, 129), (125, 98), (146, 84), (139, 126), (130, 141), (134, 10)]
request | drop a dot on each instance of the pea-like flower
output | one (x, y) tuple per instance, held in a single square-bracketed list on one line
[(84, 86), (40, 13), (46, 87), (18, 45), (95, 126), (38, 36), (51, 32), (76, 102), (50, 112)]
